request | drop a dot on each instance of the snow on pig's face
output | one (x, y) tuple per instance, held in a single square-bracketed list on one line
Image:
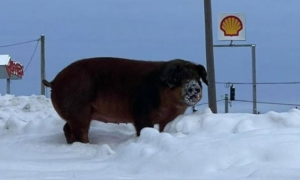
[(192, 92)]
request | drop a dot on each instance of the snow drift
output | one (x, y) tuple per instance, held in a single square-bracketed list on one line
[(202, 145)]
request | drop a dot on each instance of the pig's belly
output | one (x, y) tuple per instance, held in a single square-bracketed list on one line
[(111, 112)]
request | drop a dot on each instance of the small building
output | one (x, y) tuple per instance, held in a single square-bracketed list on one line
[(10, 70)]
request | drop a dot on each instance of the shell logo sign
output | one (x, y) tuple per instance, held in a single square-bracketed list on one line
[(231, 26)]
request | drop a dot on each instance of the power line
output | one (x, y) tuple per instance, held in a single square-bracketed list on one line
[(20, 43), (207, 102), (261, 102), (32, 54), (246, 83)]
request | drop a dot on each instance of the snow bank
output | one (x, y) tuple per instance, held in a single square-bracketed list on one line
[(201, 145)]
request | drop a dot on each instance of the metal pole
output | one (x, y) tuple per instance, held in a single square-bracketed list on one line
[(210, 57), (254, 78), (8, 86), (42, 64), (226, 103), (253, 48)]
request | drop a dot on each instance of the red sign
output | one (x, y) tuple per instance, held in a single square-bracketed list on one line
[(15, 69)]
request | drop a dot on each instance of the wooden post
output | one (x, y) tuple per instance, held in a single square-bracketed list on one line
[(226, 103), (8, 86), (42, 64), (194, 109), (254, 79)]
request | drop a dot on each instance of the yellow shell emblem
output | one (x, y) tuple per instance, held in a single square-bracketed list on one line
[(231, 26)]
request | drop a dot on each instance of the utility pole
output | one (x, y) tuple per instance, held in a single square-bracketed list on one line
[(212, 101), (42, 64)]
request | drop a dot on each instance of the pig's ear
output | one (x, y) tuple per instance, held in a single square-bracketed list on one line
[(202, 73)]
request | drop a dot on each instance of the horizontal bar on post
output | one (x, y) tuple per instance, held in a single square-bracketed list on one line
[(234, 45)]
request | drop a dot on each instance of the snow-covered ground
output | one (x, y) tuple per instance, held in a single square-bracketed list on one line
[(194, 146)]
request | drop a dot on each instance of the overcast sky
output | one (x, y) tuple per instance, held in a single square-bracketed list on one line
[(156, 30)]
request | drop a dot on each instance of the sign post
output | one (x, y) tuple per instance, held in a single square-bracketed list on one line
[(232, 28)]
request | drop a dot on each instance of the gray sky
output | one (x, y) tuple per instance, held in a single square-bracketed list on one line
[(157, 30)]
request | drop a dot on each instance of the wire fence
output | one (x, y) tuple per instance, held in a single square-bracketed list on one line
[(258, 83), (228, 84), (275, 103), (201, 104), (258, 102)]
